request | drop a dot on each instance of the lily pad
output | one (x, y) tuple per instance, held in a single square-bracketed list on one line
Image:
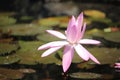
[(11, 74), (104, 55), (102, 20), (26, 18), (112, 36), (85, 75), (29, 54), (47, 37), (94, 13), (94, 32), (7, 48), (60, 21), (10, 59), (24, 29), (6, 20)]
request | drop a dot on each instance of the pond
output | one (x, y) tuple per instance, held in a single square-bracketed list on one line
[(23, 30)]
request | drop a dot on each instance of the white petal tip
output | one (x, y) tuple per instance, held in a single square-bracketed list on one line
[(40, 48), (65, 69), (42, 55)]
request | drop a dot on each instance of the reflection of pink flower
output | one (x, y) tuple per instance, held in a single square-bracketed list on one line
[(72, 41), (117, 65)]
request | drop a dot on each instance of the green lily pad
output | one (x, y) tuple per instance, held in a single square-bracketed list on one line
[(7, 48), (103, 20), (94, 13), (26, 18), (29, 54), (60, 21), (10, 59), (94, 32), (104, 55), (112, 36), (47, 37), (85, 75), (6, 20), (11, 74), (24, 29)]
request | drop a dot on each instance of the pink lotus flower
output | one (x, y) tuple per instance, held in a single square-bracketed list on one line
[(71, 42), (117, 65)]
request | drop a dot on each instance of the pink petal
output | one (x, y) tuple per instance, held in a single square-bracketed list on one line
[(83, 30), (49, 51), (67, 57), (81, 33), (53, 44), (82, 52), (57, 34), (79, 21), (71, 30), (89, 41), (71, 34), (71, 23), (117, 65)]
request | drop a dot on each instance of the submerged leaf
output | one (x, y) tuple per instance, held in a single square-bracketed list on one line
[(11, 74), (85, 75)]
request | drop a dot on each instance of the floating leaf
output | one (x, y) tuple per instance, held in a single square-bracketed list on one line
[(7, 48), (25, 29), (104, 55), (102, 20), (30, 55), (48, 22), (87, 21), (60, 21), (94, 13), (11, 74), (94, 32), (6, 20), (112, 36), (85, 75), (26, 18), (47, 37), (10, 59)]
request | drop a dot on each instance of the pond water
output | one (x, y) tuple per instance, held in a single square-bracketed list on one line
[(21, 33)]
